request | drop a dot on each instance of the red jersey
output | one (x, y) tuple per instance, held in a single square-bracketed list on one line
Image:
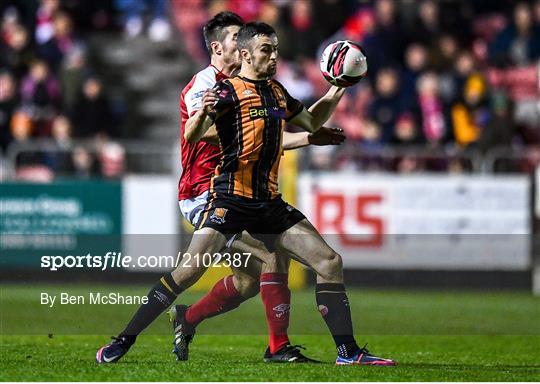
[(199, 160)]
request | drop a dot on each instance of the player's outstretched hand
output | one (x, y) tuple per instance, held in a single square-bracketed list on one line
[(209, 99), (327, 136)]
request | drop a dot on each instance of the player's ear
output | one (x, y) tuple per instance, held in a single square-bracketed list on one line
[(246, 55), (217, 47)]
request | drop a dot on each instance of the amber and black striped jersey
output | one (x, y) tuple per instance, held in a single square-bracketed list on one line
[(251, 116)]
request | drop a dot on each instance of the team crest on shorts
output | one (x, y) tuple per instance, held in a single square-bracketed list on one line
[(218, 216)]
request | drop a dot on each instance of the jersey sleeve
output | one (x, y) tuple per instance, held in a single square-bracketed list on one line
[(204, 80), (293, 107), (224, 90)]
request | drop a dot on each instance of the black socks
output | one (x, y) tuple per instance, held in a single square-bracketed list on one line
[(333, 305), (160, 297)]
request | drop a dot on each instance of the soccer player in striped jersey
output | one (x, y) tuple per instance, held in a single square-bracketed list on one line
[(249, 112)]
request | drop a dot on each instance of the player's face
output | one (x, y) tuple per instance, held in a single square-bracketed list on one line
[(231, 56), (264, 55)]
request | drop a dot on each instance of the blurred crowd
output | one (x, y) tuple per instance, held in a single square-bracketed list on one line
[(51, 95), (457, 76), (453, 77)]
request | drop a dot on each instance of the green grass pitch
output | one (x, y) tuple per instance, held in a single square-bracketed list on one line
[(434, 335)]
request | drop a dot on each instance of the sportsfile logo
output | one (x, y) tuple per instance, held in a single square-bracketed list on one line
[(262, 112)]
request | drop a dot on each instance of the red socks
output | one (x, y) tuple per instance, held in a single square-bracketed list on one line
[(276, 298), (222, 298)]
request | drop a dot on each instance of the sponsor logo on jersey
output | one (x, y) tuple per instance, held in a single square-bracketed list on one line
[(247, 92), (262, 112), (218, 216), (223, 93), (197, 95)]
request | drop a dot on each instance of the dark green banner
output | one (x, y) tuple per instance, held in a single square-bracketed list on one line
[(58, 218)]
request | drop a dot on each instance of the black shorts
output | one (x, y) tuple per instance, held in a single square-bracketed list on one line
[(263, 220)]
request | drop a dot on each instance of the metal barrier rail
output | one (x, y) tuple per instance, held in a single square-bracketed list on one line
[(140, 156), (162, 158), (503, 160), (390, 154)]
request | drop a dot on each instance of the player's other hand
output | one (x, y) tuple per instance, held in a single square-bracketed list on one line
[(209, 100), (327, 136)]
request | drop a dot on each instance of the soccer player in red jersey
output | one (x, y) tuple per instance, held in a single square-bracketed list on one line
[(200, 156)]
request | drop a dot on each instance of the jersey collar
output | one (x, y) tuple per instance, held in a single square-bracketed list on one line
[(253, 81)]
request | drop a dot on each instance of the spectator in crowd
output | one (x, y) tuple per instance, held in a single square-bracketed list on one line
[(16, 51), (371, 136), (464, 67), (45, 20), (500, 131), (385, 42), (443, 52), (362, 152), (84, 163), (387, 104), (21, 126), (432, 111), (29, 164), (406, 132), (519, 43), (305, 31), (416, 62), (345, 117), (407, 136), (356, 27), (58, 159), (408, 164), (92, 113), (132, 12), (112, 157), (62, 42), (10, 20), (8, 103), (72, 75), (271, 14), (40, 94), (366, 152), (427, 24), (443, 57), (189, 17), (471, 115)]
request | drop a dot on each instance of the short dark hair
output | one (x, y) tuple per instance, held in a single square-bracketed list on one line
[(250, 30), (213, 30)]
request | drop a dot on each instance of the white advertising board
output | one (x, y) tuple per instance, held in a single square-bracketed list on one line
[(150, 216), (422, 221)]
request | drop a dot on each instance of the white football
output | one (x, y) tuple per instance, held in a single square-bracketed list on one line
[(343, 63)]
